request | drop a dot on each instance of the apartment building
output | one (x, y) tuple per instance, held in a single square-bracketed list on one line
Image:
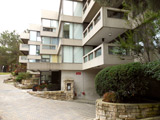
[(74, 44)]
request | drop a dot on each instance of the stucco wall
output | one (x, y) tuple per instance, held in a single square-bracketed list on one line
[(83, 83)]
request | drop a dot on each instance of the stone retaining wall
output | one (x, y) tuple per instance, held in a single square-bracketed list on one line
[(118, 111), (55, 95)]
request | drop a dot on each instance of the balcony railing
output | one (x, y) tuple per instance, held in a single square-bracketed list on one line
[(93, 54), (86, 5), (23, 59), (111, 13), (49, 47), (24, 47), (107, 18), (103, 56)]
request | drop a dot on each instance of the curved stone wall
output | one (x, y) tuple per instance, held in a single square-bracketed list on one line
[(118, 111)]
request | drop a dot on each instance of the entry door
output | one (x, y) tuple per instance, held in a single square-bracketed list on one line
[(56, 78)]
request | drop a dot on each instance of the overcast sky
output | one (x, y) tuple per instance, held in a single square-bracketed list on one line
[(18, 14)]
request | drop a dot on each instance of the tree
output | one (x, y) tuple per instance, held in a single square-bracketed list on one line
[(9, 48)]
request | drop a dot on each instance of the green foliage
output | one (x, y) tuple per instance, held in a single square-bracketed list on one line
[(127, 81), (153, 70), (22, 76), (9, 49)]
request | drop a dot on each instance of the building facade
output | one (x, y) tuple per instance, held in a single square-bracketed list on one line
[(74, 44)]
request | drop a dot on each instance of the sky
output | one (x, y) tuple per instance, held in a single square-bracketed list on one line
[(18, 14)]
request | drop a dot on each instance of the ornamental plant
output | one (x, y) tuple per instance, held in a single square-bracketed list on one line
[(128, 81)]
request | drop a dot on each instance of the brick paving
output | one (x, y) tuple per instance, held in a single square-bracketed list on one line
[(16, 104)]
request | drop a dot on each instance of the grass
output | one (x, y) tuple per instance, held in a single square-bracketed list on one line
[(4, 73)]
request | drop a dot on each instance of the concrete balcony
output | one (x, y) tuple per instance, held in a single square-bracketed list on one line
[(102, 57), (108, 23), (53, 66), (89, 10), (48, 49), (24, 37), (24, 48), (38, 57), (49, 31), (23, 59)]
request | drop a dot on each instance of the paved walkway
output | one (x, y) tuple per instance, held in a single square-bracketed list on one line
[(17, 104)]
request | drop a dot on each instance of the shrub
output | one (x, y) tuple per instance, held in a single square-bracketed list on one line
[(22, 76), (127, 81), (153, 70)]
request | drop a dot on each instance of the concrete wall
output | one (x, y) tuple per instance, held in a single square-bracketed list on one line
[(83, 83)]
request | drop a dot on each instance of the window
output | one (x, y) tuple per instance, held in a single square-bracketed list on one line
[(78, 54), (72, 31), (72, 54), (85, 59), (34, 50), (49, 29), (115, 14), (72, 8), (50, 41), (96, 20), (68, 54), (45, 58), (91, 56), (67, 7), (87, 49), (90, 27), (77, 9), (34, 60), (78, 30), (98, 52), (35, 36), (49, 47)]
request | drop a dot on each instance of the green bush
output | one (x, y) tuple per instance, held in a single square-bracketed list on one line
[(22, 76), (153, 70), (127, 81)]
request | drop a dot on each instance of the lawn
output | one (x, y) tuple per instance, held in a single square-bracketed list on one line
[(6, 73)]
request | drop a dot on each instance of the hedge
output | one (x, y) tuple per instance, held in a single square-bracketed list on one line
[(128, 81)]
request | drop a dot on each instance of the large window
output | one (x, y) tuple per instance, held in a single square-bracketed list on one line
[(35, 36), (72, 30), (78, 54), (50, 41), (34, 50), (72, 8), (68, 54), (87, 49), (49, 23), (46, 58), (72, 54)]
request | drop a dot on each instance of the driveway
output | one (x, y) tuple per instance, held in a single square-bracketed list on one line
[(16, 104)]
